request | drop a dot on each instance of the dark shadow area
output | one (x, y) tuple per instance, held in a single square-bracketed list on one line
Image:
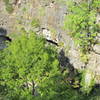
[(3, 38), (3, 31), (73, 73), (97, 86), (95, 93), (52, 42), (64, 61), (65, 65)]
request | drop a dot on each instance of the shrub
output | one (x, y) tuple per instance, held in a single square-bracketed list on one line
[(87, 81), (80, 22), (26, 60), (29, 70)]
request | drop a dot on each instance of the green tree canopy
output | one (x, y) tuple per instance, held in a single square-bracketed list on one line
[(29, 70), (27, 59)]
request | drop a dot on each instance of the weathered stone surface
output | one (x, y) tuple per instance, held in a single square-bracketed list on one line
[(96, 48), (98, 18), (2, 6), (94, 65)]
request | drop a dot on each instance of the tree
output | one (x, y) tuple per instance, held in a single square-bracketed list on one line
[(29, 70), (28, 60)]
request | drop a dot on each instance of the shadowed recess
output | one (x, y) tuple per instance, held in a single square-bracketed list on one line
[(3, 31)]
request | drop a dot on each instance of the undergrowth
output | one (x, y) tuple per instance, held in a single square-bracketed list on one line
[(80, 23)]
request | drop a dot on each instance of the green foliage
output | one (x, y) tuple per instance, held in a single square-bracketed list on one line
[(87, 81), (80, 23), (35, 23), (54, 87), (84, 57), (26, 59), (9, 7), (6, 1), (29, 63), (95, 95)]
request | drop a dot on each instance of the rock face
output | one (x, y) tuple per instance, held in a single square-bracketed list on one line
[(94, 66), (96, 48), (50, 14)]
